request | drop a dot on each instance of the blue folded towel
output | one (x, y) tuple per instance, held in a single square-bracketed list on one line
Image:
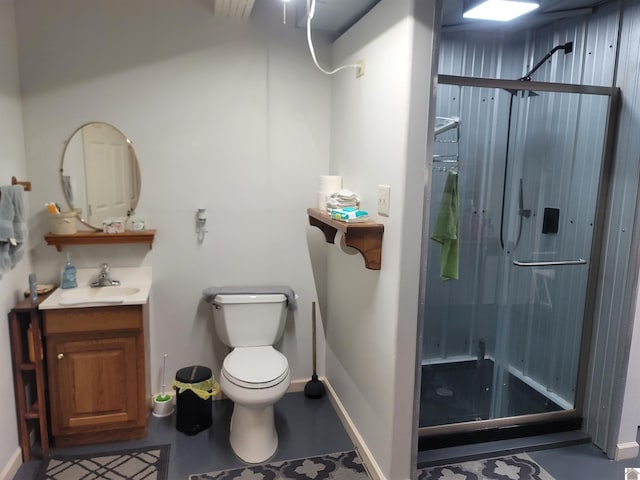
[(7, 213), (210, 293), (5, 258), (20, 230), (13, 226)]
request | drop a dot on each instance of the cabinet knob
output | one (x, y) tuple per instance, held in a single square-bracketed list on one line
[(60, 356)]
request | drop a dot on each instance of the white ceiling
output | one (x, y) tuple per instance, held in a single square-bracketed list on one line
[(336, 16)]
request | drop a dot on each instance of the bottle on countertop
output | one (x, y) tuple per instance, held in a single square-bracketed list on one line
[(69, 279), (33, 287)]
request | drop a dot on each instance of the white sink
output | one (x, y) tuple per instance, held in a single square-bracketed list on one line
[(135, 284), (77, 296), (92, 293)]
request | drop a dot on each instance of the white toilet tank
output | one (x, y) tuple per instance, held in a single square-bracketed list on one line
[(245, 320)]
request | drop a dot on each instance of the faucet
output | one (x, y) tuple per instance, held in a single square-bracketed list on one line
[(103, 278)]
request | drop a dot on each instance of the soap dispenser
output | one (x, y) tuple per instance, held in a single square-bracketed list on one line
[(69, 279)]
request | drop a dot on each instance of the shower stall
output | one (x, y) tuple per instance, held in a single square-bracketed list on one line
[(520, 168)]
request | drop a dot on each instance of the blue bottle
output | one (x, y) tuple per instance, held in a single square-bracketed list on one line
[(69, 274)]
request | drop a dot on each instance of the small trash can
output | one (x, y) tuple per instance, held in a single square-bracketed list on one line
[(194, 387)]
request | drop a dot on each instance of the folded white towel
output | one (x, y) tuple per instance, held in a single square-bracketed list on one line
[(343, 198), (334, 205), (345, 194)]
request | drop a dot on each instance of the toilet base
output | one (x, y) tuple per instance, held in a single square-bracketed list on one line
[(253, 433)]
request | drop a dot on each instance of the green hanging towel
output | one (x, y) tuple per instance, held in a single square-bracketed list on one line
[(446, 231)]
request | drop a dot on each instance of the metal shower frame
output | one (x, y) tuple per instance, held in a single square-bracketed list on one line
[(428, 433)]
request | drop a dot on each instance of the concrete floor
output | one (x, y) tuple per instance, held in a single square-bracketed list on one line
[(311, 427), (306, 427)]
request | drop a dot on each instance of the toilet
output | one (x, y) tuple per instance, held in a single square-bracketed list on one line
[(254, 374)]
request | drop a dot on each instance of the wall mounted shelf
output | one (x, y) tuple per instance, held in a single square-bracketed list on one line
[(366, 237), (98, 238)]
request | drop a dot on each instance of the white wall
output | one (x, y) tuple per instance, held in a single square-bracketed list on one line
[(379, 136), (13, 283), (626, 441), (227, 115)]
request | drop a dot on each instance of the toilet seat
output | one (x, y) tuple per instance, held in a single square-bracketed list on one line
[(255, 367)]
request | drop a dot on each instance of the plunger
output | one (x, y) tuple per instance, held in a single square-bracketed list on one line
[(314, 387)]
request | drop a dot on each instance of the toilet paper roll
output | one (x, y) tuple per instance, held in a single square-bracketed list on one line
[(330, 183), (322, 201), (341, 243)]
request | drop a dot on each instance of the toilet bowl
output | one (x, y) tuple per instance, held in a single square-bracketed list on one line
[(254, 374), (254, 378)]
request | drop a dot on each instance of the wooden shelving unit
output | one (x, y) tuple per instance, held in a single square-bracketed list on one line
[(28, 371), (98, 238), (366, 237)]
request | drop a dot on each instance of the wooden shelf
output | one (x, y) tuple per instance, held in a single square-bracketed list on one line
[(24, 315), (32, 412), (98, 238), (366, 237)]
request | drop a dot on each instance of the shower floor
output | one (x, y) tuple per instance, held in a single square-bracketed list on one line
[(461, 392)]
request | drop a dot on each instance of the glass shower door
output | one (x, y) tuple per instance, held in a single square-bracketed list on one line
[(504, 338)]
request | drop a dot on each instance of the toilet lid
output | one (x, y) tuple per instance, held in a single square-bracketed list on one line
[(255, 367)]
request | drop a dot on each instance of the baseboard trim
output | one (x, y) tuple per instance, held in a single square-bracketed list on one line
[(11, 469), (625, 451), (297, 386), (365, 454)]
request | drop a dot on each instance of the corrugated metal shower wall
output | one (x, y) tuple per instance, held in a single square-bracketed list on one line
[(593, 62)]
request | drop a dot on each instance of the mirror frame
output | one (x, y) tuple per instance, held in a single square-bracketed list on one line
[(82, 216)]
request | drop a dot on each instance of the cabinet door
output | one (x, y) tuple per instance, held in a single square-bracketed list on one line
[(94, 383)]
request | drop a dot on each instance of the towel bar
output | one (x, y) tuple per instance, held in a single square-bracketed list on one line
[(558, 263), (26, 185)]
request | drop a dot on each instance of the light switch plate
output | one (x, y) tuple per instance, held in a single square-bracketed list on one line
[(384, 193)]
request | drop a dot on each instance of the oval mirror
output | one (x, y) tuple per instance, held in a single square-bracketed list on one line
[(100, 174)]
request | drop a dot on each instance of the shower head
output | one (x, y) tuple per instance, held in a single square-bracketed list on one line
[(567, 48)]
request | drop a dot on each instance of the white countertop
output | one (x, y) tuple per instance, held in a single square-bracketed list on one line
[(129, 277)]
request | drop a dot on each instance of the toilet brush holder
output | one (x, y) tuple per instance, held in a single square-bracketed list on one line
[(162, 406), (162, 403)]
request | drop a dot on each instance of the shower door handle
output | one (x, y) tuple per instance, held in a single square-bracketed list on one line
[(558, 263)]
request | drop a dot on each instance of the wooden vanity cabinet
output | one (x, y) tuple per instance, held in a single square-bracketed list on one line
[(96, 369)]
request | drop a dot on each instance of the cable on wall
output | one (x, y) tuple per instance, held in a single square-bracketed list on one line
[(311, 10)]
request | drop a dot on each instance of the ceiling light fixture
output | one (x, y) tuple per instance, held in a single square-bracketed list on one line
[(500, 10)]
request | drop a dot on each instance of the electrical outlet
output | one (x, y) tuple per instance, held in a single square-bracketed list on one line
[(360, 69), (384, 192)]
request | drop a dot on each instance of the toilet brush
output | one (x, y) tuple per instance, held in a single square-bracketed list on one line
[(162, 402), (163, 397), (314, 387)]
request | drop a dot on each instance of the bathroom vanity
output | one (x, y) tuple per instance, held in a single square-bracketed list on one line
[(97, 361)]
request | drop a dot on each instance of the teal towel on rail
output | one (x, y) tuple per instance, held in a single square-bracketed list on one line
[(446, 230)]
